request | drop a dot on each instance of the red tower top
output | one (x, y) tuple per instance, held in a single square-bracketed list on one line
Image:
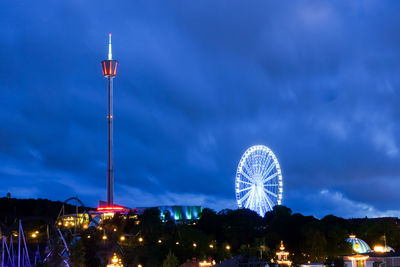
[(109, 65)]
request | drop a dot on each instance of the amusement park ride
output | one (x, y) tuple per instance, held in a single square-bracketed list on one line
[(283, 256), (259, 185), (16, 253), (110, 71)]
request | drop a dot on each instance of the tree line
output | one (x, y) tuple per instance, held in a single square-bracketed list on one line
[(147, 240)]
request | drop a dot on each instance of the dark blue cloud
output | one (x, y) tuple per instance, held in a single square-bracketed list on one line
[(198, 83)]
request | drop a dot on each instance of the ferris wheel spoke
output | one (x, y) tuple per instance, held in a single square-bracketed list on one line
[(270, 167), (244, 182), (269, 201), (267, 161), (244, 197), (266, 201), (271, 185), (244, 189), (247, 167), (271, 193), (261, 165), (247, 203), (253, 200), (247, 176), (272, 176)]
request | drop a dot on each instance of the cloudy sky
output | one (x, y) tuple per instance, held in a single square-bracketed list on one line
[(198, 83)]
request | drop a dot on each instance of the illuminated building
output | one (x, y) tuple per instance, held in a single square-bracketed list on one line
[(357, 260), (370, 259), (382, 255), (283, 256), (94, 217), (359, 245), (181, 213)]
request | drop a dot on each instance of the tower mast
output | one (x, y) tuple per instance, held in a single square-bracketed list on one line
[(109, 67)]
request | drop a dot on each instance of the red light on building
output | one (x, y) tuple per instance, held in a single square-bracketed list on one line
[(112, 209)]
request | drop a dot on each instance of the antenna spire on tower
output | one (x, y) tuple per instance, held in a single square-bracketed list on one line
[(109, 47)]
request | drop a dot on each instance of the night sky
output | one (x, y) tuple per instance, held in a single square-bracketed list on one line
[(199, 82)]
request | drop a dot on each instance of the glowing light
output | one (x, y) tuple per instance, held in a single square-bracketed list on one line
[(115, 68), (122, 238), (34, 235), (159, 241), (381, 249), (177, 243), (283, 256), (104, 237), (115, 229), (108, 214), (228, 247), (114, 258), (211, 246), (110, 208), (115, 261), (85, 226), (140, 239), (358, 257), (88, 236), (258, 183), (109, 48), (194, 245)]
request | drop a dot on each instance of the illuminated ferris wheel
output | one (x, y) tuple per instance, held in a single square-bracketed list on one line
[(258, 184)]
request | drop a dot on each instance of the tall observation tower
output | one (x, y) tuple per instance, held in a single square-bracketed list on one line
[(110, 71)]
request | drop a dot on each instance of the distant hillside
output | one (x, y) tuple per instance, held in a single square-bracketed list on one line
[(13, 208)]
